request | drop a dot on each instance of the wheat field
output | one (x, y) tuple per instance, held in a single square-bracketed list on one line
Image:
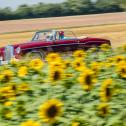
[(116, 33), (109, 26)]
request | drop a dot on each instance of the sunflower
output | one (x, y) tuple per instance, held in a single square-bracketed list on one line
[(110, 62), (56, 64), (95, 66), (75, 124), (6, 76), (13, 86), (121, 69), (106, 90), (14, 61), (23, 87), (67, 64), (79, 54), (8, 103), (55, 74), (8, 114), (123, 72), (109, 65), (110, 59), (105, 47), (7, 92), (53, 57), (103, 109), (36, 64), (87, 79), (78, 64), (2, 77), (30, 123), (119, 58), (50, 110), (23, 71)]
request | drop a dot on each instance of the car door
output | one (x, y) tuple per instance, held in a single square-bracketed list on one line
[(65, 44)]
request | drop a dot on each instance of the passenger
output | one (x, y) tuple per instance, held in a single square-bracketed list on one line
[(61, 35), (49, 37)]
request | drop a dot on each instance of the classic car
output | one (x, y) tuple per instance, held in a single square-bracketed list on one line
[(47, 41)]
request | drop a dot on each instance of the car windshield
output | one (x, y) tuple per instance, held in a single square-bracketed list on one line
[(53, 36), (42, 36)]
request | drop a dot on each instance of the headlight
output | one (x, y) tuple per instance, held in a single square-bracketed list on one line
[(18, 50), (1, 58)]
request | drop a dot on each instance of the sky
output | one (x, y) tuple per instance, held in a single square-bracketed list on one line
[(14, 3)]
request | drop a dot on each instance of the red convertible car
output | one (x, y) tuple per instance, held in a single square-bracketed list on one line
[(50, 41)]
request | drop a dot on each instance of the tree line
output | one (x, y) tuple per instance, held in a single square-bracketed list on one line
[(67, 8)]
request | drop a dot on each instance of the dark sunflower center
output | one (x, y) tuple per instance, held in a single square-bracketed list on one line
[(123, 70), (7, 77), (52, 111), (36, 64), (119, 59), (14, 87), (56, 75), (67, 64), (80, 55), (108, 92), (88, 80), (104, 110), (78, 64), (57, 65), (53, 57)]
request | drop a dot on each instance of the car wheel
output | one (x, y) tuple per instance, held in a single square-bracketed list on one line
[(33, 55)]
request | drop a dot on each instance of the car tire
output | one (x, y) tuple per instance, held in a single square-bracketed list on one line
[(34, 55)]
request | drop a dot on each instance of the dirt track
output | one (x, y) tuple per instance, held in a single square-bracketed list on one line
[(60, 22)]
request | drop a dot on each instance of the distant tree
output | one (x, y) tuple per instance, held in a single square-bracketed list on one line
[(104, 6), (122, 3), (6, 13), (24, 11), (39, 10), (73, 7), (54, 10), (47, 10)]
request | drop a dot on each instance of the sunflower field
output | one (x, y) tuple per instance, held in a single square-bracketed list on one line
[(88, 88)]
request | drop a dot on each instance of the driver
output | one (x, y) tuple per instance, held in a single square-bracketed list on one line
[(61, 35)]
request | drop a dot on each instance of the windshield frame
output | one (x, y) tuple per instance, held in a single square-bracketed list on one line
[(54, 37)]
